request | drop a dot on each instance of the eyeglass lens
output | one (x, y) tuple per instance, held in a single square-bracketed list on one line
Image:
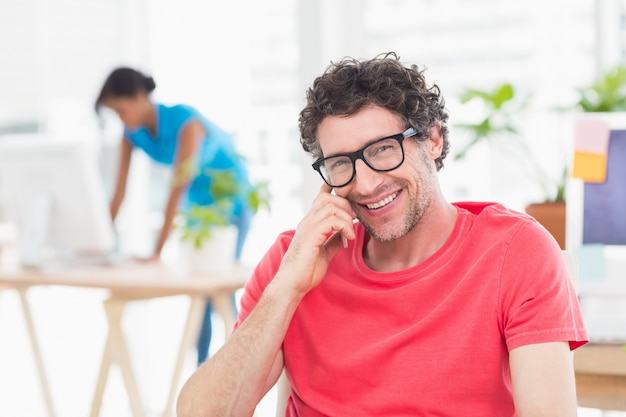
[(383, 155)]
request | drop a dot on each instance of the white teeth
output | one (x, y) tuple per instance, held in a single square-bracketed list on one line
[(383, 202)]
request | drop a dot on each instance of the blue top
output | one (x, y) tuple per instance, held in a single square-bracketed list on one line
[(217, 152)]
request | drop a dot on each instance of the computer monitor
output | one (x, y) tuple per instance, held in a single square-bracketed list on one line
[(53, 190)]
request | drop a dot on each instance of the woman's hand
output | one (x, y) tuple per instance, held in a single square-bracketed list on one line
[(318, 237)]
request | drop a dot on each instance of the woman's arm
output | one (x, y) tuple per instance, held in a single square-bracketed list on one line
[(123, 167), (543, 380), (188, 145)]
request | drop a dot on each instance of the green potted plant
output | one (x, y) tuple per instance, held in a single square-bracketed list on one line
[(606, 94), (205, 231), (501, 104), (200, 222)]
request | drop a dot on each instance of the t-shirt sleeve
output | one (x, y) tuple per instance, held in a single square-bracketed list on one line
[(538, 301), (262, 275)]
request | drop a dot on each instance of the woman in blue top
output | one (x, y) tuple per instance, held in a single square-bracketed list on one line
[(174, 136)]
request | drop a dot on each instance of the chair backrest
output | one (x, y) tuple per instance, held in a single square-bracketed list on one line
[(282, 387), (283, 384)]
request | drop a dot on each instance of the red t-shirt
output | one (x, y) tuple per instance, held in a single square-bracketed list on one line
[(431, 340)]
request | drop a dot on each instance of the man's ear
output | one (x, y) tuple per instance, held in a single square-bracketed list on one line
[(435, 141)]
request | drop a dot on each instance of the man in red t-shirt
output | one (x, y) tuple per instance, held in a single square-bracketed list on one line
[(387, 300)]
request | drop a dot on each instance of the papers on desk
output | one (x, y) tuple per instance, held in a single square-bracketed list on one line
[(591, 148), (591, 263)]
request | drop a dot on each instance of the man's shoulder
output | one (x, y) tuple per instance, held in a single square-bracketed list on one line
[(285, 237), (270, 262), (280, 245), (497, 217), (490, 210)]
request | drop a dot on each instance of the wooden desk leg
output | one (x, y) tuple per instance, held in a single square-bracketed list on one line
[(190, 335), (116, 350), (103, 375), (36, 351), (223, 304)]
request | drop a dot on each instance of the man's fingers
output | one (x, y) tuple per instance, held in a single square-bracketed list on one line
[(325, 188)]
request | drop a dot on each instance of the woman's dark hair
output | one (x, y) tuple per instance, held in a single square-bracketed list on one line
[(349, 85), (124, 82)]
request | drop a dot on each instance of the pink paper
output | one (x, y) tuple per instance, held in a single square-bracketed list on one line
[(592, 136)]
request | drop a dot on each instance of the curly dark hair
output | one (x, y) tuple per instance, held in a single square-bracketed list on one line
[(349, 85)]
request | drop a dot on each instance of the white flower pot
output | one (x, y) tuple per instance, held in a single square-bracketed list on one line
[(217, 254)]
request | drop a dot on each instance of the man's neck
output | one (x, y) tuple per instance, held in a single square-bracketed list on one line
[(426, 238)]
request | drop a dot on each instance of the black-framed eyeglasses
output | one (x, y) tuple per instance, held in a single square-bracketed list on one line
[(382, 155)]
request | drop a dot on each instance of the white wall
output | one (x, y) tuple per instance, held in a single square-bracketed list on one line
[(55, 55), (246, 65)]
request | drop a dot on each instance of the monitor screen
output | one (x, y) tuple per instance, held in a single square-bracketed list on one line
[(53, 191)]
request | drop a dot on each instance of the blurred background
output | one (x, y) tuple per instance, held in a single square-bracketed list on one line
[(246, 64)]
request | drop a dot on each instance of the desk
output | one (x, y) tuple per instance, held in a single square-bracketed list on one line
[(601, 376), (127, 283)]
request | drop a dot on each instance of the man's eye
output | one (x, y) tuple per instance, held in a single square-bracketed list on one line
[(338, 164), (382, 149)]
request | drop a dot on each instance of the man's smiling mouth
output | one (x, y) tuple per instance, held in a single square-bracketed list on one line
[(382, 202)]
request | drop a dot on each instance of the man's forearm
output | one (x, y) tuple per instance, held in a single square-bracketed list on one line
[(235, 379)]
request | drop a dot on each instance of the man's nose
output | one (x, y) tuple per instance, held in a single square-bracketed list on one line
[(366, 179)]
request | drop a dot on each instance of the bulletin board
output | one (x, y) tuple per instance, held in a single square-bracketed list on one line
[(604, 209)]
